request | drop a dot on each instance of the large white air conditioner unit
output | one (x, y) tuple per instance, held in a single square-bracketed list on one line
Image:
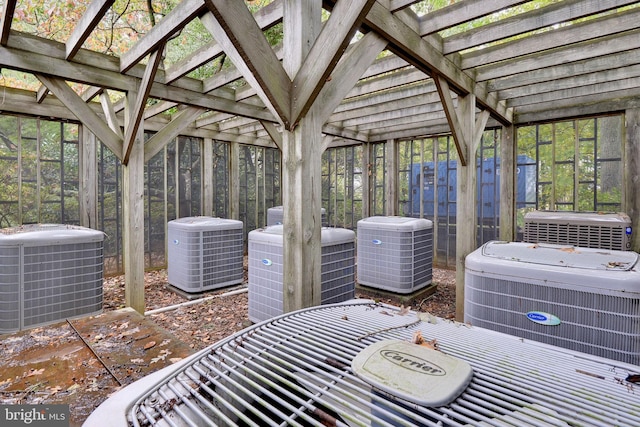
[(582, 299), (395, 253), (265, 261), (49, 273), (584, 229), (275, 215), (304, 369), (204, 253)]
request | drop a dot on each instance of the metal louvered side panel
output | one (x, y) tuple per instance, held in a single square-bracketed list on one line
[(581, 235), (10, 273), (295, 370)]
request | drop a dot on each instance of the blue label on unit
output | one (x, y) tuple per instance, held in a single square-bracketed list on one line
[(266, 261), (628, 230), (176, 242), (376, 242), (543, 318)]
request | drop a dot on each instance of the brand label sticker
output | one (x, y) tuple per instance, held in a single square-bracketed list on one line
[(543, 318), (413, 363), (376, 242), (266, 261)]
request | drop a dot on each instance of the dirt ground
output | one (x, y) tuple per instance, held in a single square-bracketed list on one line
[(205, 323)]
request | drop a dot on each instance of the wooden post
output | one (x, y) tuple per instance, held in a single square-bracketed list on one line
[(133, 218), (631, 174), (207, 177), (466, 216), (508, 177), (234, 180), (88, 179), (391, 181), (366, 180)]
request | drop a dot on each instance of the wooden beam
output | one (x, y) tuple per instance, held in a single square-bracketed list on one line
[(348, 72), (417, 51), (110, 114), (184, 12), (508, 179), (452, 117), (91, 93), (42, 93), (237, 31), (137, 110), (266, 17), (82, 111), (161, 138), (273, 132), (8, 9), (26, 53), (83, 28), (325, 53)]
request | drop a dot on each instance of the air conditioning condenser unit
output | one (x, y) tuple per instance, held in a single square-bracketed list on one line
[(583, 299), (584, 229), (266, 269), (49, 273), (205, 253), (357, 364), (395, 253)]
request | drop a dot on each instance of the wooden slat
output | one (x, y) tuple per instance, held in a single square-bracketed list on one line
[(539, 18), (167, 134), (181, 15), (556, 38), (325, 53), (83, 28), (568, 54), (247, 46), (461, 12), (82, 111), (8, 9), (137, 109)]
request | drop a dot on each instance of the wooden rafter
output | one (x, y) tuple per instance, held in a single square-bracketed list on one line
[(6, 17), (137, 111), (181, 15), (348, 72), (457, 131), (91, 17), (243, 41), (325, 53), (83, 112), (170, 131)]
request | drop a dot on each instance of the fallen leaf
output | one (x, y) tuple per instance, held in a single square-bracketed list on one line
[(404, 310), (149, 345), (175, 359), (34, 372), (419, 339), (165, 342), (137, 361), (427, 317)]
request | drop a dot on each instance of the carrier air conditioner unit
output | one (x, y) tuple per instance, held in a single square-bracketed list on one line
[(309, 368), (275, 216), (582, 299), (204, 253), (49, 273), (584, 229), (266, 269), (395, 253)]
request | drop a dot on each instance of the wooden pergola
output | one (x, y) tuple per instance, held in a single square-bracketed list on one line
[(321, 89)]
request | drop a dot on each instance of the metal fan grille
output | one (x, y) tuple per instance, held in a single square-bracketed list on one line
[(296, 370)]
